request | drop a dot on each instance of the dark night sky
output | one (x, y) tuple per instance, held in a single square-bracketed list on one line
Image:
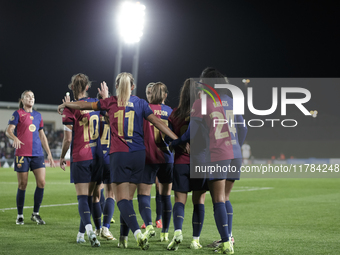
[(43, 43)]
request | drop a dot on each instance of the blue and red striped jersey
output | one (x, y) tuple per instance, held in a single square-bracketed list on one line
[(237, 126), (218, 138), (27, 126), (85, 133), (126, 123), (156, 149)]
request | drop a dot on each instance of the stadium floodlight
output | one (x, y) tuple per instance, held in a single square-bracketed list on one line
[(131, 21)]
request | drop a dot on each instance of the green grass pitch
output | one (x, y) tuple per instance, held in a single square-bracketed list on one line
[(271, 216)]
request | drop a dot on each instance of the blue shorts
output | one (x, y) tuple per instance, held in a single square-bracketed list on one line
[(162, 171), (127, 166), (182, 181), (181, 178), (234, 172), (199, 184), (81, 172), (24, 163), (107, 174), (85, 172), (97, 170), (220, 170)]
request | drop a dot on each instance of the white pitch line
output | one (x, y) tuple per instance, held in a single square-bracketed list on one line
[(189, 194), (251, 189), (25, 207)]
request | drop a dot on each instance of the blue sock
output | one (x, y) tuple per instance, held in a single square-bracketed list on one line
[(84, 210), (109, 209), (128, 214), (124, 229), (20, 200), (166, 212), (97, 214), (178, 215), (102, 199), (90, 203), (38, 197), (145, 209), (221, 220), (230, 212), (197, 219), (81, 227), (158, 206)]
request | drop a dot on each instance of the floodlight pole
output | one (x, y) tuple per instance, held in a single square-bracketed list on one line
[(135, 68), (118, 65)]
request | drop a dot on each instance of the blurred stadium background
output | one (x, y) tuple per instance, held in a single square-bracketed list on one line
[(313, 140)]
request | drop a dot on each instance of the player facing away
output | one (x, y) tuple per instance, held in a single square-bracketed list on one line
[(127, 152), (214, 142), (182, 184), (25, 128), (158, 162), (158, 221), (81, 131), (238, 131), (109, 204)]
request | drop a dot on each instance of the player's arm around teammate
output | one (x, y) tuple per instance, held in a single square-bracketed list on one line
[(127, 152)]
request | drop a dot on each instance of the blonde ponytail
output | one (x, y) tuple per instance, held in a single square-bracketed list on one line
[(124, 82)]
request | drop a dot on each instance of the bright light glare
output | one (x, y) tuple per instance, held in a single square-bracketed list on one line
[(131, 21)]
